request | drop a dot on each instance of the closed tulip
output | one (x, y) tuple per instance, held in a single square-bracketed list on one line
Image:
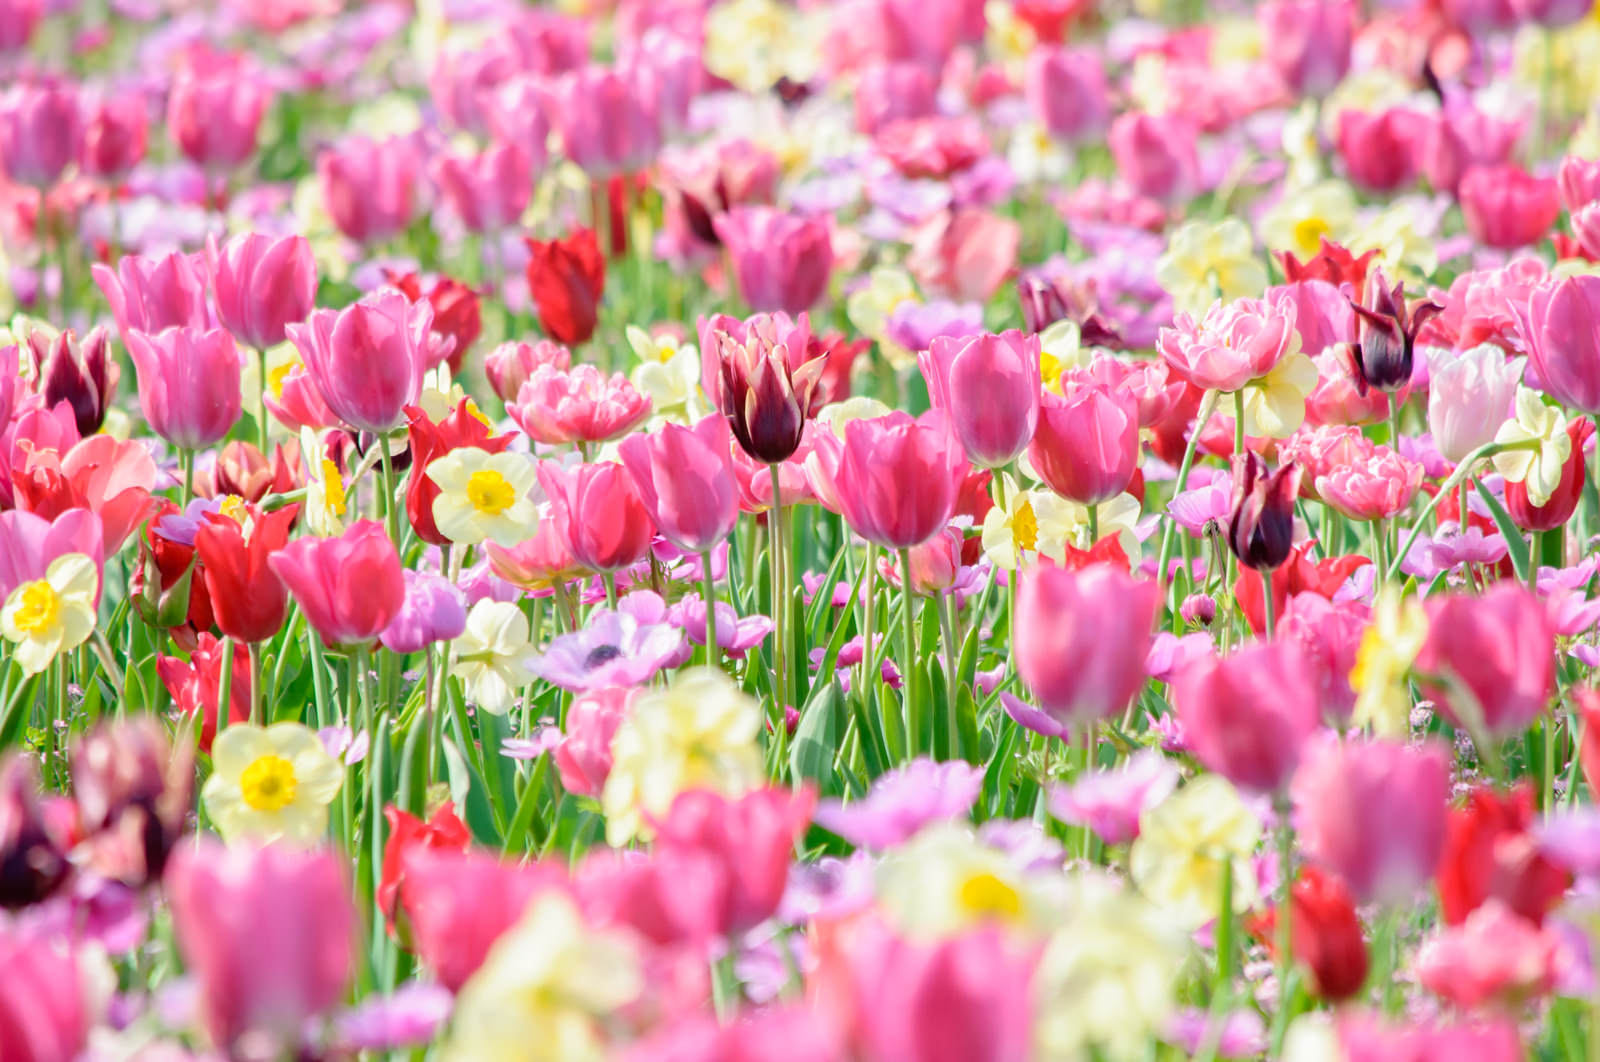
[(1552, 13), (599, 513), (1379, 149), (367, 360), (1081, 639), (115, 131), (1494, 655), (248, 600), (1508, 207), (82, 374), (263, 284), (1155, 154), (1562, 338), (685, 479), (1469, 397), (1324, 934), (989, 386), (566, 277), (1374, 813), (488, 191), (188, 384), (41, 131), (268, 935), (349, 587), (759, 373), (151, 294), (1261, 517), (1387, 327), (45, 1009), (369, 187), (898, 477), (1067, 91), (1578, 181), (781, 261), (1492, 852), (1087, 443), (214, 112), (607, 120), (1247, 715), (18, 20), (1307, 42)]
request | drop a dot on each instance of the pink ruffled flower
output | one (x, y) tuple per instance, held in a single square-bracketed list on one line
[(1374, 489), (578, 405), (1233, 344)]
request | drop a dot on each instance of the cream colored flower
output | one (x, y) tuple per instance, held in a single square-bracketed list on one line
[(1388, 648), (1540, 431), (55, 614), (1035, 156), (1301, 147), (669, 374), (1403, 247), (1184, 844), (1061, 350), (1105, 982), (945, 880), (870, 306), (1275, 405), (492, 655), (835, 415), (326, 500), (484, 496), (270, 783), (699, 732), (545, 989), (756, 43), (1008, 38), (1205, 261), (1298, 221), (1042, 523)]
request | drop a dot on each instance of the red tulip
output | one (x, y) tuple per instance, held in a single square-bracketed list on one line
[(566, 277), (1325, 934), (1564, 501), (1491, 852), (196, 684), (443, 830), (247, 597), (598, 510), (463, 426)]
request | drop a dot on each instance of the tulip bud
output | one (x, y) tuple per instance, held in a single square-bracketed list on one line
[(1261, 520), (1324, 933), (1199, 610), (133, 791), (1386, 333), (81, 374), (32, 864)]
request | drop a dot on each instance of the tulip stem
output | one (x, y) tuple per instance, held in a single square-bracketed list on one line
[(255, 684), (1094, 525), (186, 459), (261, 400), (908, 664), (1238, 422), (1269, 606), (780, 627), (225, 686), (713, 650), (952, 700), (1284, 927), (1208, 406)]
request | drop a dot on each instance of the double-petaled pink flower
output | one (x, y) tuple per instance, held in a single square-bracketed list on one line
[(1374, 489), (577, 405), (1233, 344)]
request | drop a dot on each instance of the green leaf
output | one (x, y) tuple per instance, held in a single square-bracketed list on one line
[(816, 740), (1516, 545)]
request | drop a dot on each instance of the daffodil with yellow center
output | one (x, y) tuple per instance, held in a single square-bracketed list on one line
[(1188, 843), (326, 500), (699, 732), (1539, 433), (51, 615), (1029, 523), (1388, 648), (1298, 221), (835, 415), (271, 783), (669, 374), (492, 655), (1061, 350), (1275, 405), (1205, 261), (946, 880), (484, 496)]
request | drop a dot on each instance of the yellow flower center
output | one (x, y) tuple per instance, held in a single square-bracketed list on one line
[(986, 896), (41, 606), (280, 373), (1308, 233), (477, 414), (333, 488), (489, 492), (233, 507), (1371, 660), (268, 783), (1025, 526), (1050, 368)]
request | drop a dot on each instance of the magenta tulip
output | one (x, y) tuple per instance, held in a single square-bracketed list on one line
[(989, 386), (188, 384), (1494, 656), (115, 135), (1087, 444), (1081, 637), (599, 513), (685, 479), (1561, 332), (41, 131), (488, 191), (368, 359), (1307, 42), (46, 1008), (214, 114), (1155, 154), (1067, 91), (350, 587), (1508, 207), (1247, 715), (153, 294), (263, 284), (781, 261), (370, 187), (898, 477)]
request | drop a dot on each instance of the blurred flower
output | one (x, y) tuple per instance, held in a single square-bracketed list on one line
[(1491, 853), (1495, 956), (33, 857), (903, 801), (1112, 802), (567, 276), (271, 783), (46, 1006), (52, 614), (1188, 842), (1204, 262), (1324, 934), (945, 880), (1398, 630)]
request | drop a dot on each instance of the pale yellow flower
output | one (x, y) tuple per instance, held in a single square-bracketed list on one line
[(492, 655), (669, 374), (1544, 446), (870, 306), (484, 496), (1187, 841), (1061, 350), (835, 415), (1298, 221), (1009, 38), (1312, 1037), (1042, 523), (945, 880), (55, 614), (756, 43), (441, 395), (1035, 156), (545, 989), (1149, 88), (1275, 405), (1301, 147), (1388, 647), (1559, 63), (700, 732), (1205, 261), (326, 499), (1105, 982), (270, 783), (1403, 247)]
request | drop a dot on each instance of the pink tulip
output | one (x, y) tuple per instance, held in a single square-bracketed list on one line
[(1461, 137), (781, 261), (28, 543), (462, 82), (370, 187), (41, 131), (535, 563), (1380, 149), (965, 254), (188, 384), (1469, 397), (888, 92), (459, 903), (1087, 443), (268, 935), (1067, 91), (1586, 229), (45, 1012), (1507, 207), (579, 405), (1552, 13), (989, 386), (1495, 956), (583, 758), (487, 191), (1560, 329), (1328, 635), (1364, 1038), (685, 479), (154, 294), (1373, 812), (263, 284), (299, 404), (1156, 154), (1375, 489), (214, 112), (597, 510), (114, 136), (608, 121), (18, 20), (368, 359), (1579, 183), (1497, 652), (514, 112), (509, 365), (350, 587), (897, 477), (1307, 42), (1081, 639), (1247, 715), (1233, 344)]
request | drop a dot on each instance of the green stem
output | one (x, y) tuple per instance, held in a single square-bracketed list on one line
[(713, 650), (780, 630), (908, 663), (1094, 524), (256, 694), (1285, 941), (952, 700), (1238, 423), (186, 458), (225, 686), (261, 401), (1208, 406)]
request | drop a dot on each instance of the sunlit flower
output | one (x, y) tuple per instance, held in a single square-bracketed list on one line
[(1275, 404), (271, 783), (1540, 432), (870, 306), (699, 732), (1042, 523), (484, 496), (668, 374), (1206, 261), (326, 500), (1185, 844), (946, 880), (756, 43), (1391, 643), (493, 655), (1061, 349), (1403, 247), (49, 616), (1299, 221)]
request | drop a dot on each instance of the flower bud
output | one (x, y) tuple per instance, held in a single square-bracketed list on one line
[(1198, 610), (1261, 520)]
